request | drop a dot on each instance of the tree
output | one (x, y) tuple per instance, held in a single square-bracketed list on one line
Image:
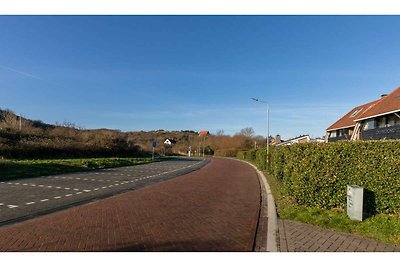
[(220, 133), (248, 132)]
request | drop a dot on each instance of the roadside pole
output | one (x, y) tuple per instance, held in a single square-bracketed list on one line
[(154, 144)]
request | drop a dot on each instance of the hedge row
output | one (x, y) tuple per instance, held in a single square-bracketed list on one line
[(316, 175)]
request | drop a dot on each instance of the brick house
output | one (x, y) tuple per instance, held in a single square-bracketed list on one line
[(379, 119)]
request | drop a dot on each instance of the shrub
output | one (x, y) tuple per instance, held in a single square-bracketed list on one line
[(316, 175)]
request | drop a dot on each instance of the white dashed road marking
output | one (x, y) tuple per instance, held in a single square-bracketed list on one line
[(30, 203), (44, 200)]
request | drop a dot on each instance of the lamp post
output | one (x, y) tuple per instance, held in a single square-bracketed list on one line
[(266, 103)]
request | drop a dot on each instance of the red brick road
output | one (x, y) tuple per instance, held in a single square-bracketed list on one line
[(213, 209)]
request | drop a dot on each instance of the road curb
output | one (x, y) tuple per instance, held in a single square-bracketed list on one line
[(268, 218)]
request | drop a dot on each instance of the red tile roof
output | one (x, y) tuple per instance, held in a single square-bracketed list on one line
[(202, 133), (382, 106), (348, 120), (385, 105)]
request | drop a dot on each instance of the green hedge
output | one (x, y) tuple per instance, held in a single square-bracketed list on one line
[(316, 175)]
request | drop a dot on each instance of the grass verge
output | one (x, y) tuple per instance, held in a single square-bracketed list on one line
[(382, 227), (12, 169)]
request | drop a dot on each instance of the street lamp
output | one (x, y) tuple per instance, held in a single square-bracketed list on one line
[(265, 102)]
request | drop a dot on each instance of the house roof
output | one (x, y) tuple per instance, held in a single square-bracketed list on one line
[(348, 120), (293, 140), (202, 133), (385, 105)]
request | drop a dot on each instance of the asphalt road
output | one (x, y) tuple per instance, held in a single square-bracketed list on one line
[(23, 199)]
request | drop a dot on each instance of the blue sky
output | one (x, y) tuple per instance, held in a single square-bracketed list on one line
[(196, 72)]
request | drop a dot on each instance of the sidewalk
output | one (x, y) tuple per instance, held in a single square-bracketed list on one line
[(292, 236), (213, 209), (301, 237)]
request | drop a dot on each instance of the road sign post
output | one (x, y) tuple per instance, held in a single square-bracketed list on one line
[(154, 144)]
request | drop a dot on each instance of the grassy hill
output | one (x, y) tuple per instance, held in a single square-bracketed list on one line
[(24, 138)]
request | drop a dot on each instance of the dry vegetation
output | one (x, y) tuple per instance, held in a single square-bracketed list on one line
[(24, 138)]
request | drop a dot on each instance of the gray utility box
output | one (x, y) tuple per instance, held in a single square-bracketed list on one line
[(355, 195)]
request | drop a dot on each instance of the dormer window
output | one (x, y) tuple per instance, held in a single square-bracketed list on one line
[(355, 113)]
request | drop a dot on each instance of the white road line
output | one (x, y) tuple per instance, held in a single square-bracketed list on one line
[(87, 190), (1, 204), (76, 189), (41, 185), (104, 187), (116, 184), (12, 206), (96, 189), (78, 193), (68, 195), (49, 186), (77, 178), (57, 197), (17, 183), (58, 187), (110, 186), (24, 184), (44, 200), (30, 203), (33, 185), (67, 188)]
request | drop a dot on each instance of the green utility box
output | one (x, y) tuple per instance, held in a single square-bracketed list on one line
[(355, 196)]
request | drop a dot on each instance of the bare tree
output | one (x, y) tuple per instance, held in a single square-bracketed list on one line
[(248, 132), (220, 132)]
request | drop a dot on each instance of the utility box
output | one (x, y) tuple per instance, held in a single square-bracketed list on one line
[(355, 196)]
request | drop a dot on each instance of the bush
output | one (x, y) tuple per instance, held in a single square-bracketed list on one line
[(316, 175)]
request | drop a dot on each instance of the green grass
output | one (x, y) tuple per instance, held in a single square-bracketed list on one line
[(382, 227), (12, 169)]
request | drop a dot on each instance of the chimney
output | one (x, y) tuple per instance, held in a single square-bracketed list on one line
[(383, 95), (277, 139)]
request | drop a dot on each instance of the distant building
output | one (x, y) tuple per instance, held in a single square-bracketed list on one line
[(379, 119), (204, 133), (297, 140), (169, 141), (276, 140)]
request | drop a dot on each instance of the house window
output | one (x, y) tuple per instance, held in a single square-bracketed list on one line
[(391, 121), (381, 122), (369, 124), (332, 134)]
